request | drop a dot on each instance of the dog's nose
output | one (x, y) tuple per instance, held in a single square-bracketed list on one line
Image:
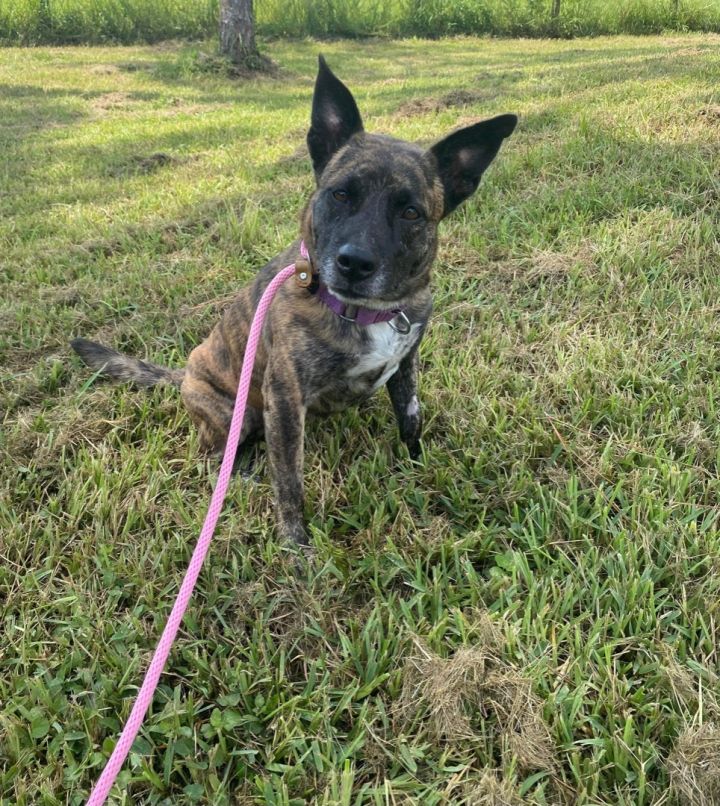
[(354, 262)]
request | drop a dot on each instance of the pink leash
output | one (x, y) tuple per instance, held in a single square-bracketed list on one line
[(144, 697)]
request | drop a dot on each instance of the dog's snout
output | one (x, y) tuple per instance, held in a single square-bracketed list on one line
[(354, 262)]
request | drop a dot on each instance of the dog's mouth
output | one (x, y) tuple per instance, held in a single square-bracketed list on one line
[(349, 297), (373, 292)]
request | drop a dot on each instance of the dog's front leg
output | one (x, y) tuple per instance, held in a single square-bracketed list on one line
[(402, 387), (284, 415)]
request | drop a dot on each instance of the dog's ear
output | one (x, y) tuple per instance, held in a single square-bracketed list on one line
[(463, 156), (335, 117)]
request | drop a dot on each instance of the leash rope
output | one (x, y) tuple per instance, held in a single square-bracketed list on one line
[(152, 676)]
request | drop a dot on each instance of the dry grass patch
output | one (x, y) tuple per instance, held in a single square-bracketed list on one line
[(493, 790), (451, 100), (112, 101), (694, 766), (146, 164), (475, 683)]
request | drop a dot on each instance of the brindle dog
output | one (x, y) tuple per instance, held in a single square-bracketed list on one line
[(371, 231)]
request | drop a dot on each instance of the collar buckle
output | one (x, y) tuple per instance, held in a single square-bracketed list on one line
[(350, 313)]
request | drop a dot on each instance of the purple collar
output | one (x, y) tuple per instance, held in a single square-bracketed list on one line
[(364, 316), (351, 313)]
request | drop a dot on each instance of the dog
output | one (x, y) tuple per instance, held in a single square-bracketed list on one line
[(371, 231)]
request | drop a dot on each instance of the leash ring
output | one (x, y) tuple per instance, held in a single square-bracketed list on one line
[(401, 324)]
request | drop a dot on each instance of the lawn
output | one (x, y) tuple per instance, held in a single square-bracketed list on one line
[(530, 613)]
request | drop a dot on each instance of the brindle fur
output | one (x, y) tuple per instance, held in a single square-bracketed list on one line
[(310, 361)]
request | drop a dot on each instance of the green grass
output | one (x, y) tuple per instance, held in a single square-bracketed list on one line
[(530, 614), (127, 21), (529, 18)]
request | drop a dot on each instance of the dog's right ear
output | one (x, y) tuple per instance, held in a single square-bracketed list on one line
[(335, 117)]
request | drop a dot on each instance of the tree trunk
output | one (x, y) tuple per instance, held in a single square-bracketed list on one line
[(555, 17), (237, 32)]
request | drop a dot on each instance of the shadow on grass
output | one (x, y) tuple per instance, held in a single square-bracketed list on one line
[(26, 109), (369, 65)]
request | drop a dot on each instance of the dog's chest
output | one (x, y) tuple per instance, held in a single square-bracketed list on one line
[(380, 357)]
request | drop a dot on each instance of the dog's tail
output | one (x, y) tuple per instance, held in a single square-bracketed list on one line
[(121, 367)]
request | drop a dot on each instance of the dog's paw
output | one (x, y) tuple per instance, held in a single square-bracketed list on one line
[(300, 556), (415, 450), (306, 559)]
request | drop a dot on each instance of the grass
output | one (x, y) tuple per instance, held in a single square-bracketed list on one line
[(528, 18), (127, 21), (528, 615)]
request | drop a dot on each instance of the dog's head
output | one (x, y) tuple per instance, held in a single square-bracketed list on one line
[(372, 222)]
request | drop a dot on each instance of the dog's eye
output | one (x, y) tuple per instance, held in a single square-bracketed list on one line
[(411, 214), (340, 195)]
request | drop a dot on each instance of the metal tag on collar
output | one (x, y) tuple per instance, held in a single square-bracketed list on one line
[(400, 324)]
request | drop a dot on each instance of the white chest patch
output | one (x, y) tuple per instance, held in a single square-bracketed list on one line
[(385, 351), (413, 407)]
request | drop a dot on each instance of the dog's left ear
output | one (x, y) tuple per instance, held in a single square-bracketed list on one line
[(463, 156), (335, 117)]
